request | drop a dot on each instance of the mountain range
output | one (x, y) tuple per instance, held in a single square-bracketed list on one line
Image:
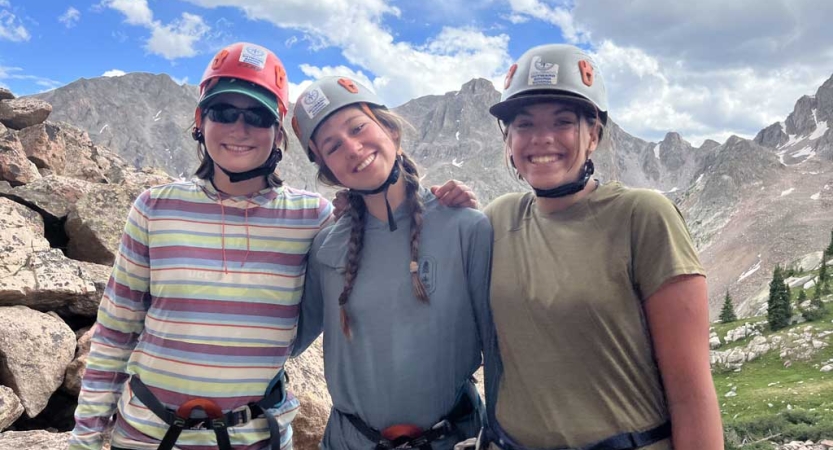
[(750, 203)]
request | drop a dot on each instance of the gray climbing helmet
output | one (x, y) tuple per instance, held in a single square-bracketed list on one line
[(321, 99), (551, 72)]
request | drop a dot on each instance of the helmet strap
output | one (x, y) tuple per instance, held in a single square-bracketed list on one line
[(392, 178), (263, 170), (569, 188)]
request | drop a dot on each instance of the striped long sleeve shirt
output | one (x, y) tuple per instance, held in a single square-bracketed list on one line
[(203, 301)]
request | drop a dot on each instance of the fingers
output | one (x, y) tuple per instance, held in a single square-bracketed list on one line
[(455, 194), (340, 203)]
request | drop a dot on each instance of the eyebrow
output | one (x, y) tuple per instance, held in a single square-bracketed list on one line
[(347, 122)]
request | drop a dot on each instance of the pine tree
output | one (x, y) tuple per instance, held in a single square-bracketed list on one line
[(727, 314), (824, 278), (802, 297), (817, 307), (779, 307), (829, 250)]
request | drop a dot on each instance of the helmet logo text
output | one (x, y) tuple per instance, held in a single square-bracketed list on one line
[(542, 73)]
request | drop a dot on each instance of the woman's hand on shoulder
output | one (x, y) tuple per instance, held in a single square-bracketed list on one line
[(455, 194)]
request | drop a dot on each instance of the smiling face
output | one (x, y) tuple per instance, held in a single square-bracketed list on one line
[(549, 143), (358, 151), (238, 146)]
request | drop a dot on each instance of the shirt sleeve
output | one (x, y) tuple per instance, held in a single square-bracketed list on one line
[(660, 243), (478, 274), (311, 321), (120, 321)]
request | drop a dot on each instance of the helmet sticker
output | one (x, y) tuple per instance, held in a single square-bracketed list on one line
[(586, 69), (314, 102), (218, 60), (348, 84), (254, 56), (508, 80), (542, 73)]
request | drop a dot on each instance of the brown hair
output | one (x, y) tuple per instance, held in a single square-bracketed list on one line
[(357, 212), (205, 171)]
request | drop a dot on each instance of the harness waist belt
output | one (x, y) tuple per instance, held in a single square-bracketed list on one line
[(203, 413), (407, 436), (622, 441)]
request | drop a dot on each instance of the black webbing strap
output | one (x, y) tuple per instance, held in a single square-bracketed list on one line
[(445, 427), (218, 424), (623, 441)]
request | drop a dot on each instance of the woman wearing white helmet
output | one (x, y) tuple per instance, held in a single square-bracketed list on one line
[(399, 285), (598, 296), (201, 309)]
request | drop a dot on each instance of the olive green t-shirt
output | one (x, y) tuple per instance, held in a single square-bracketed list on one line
[(567, 292)]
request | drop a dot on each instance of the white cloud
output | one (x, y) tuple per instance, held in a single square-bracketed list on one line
[(175, 40), (16, 73), (559, 16), (70, 18), (650, 96), (11, 29), (136, 12), (401, 70), (113, 73), (180, 81)]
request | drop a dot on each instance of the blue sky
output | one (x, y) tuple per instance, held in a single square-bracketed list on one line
[(706, 70)]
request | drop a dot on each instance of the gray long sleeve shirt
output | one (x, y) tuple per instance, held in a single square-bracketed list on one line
[(406, 361)]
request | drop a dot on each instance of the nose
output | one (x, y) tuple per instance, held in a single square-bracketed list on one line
[(352, 146), (239, 125), (542, 137)]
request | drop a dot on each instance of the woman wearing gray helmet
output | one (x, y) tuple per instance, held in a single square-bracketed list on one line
[(598, 296), (399, 285)]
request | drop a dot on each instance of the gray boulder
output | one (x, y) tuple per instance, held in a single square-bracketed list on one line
[(14, 166), (41, 440), (35, 349), (20, 113), (10, 407)]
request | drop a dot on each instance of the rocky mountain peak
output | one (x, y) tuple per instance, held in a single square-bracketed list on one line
[(674, 140), (824, 100), (772, 136), (709, 144), (477, 85), (802, 120)]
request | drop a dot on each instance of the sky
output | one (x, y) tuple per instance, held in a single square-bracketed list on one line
[(707, 69)]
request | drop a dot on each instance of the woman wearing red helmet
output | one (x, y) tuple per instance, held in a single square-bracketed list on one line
[(202, 306)]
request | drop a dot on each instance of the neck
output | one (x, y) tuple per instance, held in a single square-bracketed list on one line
[(376, 203), (246, 187), (552, 205)]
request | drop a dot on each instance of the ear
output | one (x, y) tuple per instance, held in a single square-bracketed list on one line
[(280, 135), (593, 131)]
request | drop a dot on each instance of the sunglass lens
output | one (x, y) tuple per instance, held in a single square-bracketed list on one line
[(256, 117)]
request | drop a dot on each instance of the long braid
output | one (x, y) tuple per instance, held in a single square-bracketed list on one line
[(358, 215), (416, 207)]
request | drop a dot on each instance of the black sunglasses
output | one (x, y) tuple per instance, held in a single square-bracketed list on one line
[(257, 117)]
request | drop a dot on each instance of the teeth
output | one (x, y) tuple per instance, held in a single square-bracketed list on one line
[(366, 162), (236, 148), (543, 159)]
